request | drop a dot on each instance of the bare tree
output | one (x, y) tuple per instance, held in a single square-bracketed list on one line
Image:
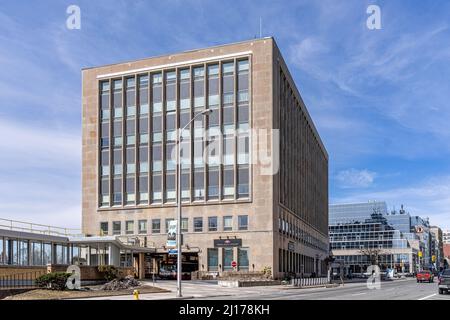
[(373, 254)]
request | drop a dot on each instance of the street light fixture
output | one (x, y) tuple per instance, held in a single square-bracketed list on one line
[(179, 256)]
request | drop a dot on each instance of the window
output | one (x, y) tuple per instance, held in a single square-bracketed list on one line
[(228, 150), (117, 133), (227, 258), (212, 223), (104, 198), (243, 222), (184, 224), (143, 160), (143, 95), (156, 225), (228, 183), (143, 189), (131, 132), (198, 224), (213, 183), (104, 100), (117, 159), (2, 253), (130, 97), (243, 182), (213, 259), (117, 98), (156, 184), (131, 161), (170, 186), (213, 85), (103, 228), (228, 83), (227, 223), (185, 95), (143, 130), (185, 188), (129, 227), (243, 263), (36, 253), (170, 90), (142, 226), (157, 157), (199, 90), (130, 190), (116, 227), (157, 92), (47, 254), (105, 162), (199, 188), (117, 195), (104, 141)]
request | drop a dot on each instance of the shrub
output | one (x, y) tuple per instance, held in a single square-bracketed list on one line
[(267, 271), (110, 272), (53, 280)]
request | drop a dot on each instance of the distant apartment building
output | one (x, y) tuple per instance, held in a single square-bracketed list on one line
[(437, 247), (446, 237), (237, 209), (362, 234)]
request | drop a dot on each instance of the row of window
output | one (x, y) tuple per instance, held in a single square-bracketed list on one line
[(197, 225), (140, 169), (227, 259), (295, 232), (35, 253)]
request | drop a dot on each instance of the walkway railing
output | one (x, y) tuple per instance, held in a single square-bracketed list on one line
[(15, 225), (20, 280), (309, 282)]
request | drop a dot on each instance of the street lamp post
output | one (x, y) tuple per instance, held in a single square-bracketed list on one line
[(179, 256)]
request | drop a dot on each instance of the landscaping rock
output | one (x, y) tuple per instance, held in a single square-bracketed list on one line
[(121, 284)]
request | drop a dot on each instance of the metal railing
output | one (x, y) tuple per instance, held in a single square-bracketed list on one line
[(15, 225), (309, 282), (20, 280)]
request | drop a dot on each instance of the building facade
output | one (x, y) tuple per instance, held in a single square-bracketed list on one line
[(254, 172), (437, 248), (363, 234)]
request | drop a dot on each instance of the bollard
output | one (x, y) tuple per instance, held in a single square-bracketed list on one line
[(136, 294)]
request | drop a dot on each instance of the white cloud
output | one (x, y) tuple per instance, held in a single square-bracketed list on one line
[(353, 178), (25, 145)]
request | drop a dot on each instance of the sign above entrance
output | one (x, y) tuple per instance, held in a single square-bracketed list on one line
[(223, 243)]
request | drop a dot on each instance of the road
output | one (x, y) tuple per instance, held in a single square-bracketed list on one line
[(406, 289)]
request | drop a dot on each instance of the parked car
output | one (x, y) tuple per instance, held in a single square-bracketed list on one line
[(444, 282), (425, 276)]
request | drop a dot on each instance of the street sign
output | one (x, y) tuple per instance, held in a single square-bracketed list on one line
[(234, 264), (173, 251)]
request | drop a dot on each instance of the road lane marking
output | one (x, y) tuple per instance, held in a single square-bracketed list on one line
[(359, 294), (425, 298)]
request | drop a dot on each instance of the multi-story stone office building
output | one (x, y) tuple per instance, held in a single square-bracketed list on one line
[(236, 205)]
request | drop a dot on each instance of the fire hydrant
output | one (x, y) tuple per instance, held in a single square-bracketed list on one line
[(136, 294)]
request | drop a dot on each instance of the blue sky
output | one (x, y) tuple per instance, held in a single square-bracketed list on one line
[(380, 98)]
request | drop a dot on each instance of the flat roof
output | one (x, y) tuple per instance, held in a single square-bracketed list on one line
[(178, 53)]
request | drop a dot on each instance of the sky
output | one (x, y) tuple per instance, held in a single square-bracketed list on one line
[(379, 98)]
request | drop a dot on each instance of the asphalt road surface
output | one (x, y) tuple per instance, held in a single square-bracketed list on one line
[(406, 289), (391, 290)]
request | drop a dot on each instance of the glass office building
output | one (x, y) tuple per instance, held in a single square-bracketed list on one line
[(363, 234)]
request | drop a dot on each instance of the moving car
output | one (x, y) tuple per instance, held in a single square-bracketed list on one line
[(444, 282), (425, 276)]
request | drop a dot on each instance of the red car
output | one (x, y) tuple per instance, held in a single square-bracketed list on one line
[(425, 276)]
